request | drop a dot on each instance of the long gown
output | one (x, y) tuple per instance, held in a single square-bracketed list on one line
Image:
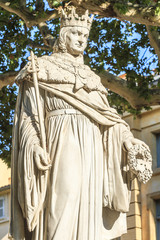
[(75, 191), (75, 195)]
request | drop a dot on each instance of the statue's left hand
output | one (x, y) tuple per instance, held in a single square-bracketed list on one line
[(133, 141)]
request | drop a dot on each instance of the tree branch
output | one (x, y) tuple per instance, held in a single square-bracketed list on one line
[(136, 13), (154, 38), (7, 78), (119, 86), (50, 2), (30, 19), (35, 45), (18, 11), (39, 5), (23, 3), (48, 39)]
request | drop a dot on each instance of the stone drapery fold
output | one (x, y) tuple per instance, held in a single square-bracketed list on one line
[(26, 178)]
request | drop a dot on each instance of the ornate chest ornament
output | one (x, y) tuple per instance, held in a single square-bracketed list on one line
[(140, 162)]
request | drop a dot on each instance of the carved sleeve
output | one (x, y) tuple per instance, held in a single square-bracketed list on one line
[(29, 124), (126, 133), (28, 174)]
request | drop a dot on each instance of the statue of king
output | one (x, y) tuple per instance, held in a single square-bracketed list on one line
[(79, 187)]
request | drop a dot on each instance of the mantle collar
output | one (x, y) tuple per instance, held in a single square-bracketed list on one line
[(66, 57)]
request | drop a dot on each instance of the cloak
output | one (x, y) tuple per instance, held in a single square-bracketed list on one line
[(90, 99)]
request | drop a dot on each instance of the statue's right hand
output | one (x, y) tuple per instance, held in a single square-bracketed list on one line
[(41, 158)]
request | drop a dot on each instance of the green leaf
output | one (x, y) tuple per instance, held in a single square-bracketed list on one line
[(30, 8)]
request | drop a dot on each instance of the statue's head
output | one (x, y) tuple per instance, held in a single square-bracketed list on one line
[(74, 32)]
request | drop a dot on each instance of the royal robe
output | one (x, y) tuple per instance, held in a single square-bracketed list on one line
[(86, 192)]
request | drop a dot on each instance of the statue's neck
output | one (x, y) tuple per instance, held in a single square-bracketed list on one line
[(67, 57)]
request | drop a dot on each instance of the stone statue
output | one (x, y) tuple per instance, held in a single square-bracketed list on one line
[(78, 186)]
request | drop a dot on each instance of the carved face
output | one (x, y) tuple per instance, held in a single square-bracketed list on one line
[(76, 40)]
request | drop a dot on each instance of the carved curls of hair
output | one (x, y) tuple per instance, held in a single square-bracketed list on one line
[(60, 46)]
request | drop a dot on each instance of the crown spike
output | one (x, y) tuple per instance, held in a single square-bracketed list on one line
[(73, 11), (73, 19), (62, 13), (86, 13)]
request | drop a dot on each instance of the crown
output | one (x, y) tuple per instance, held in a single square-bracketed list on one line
[(73, 19)]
